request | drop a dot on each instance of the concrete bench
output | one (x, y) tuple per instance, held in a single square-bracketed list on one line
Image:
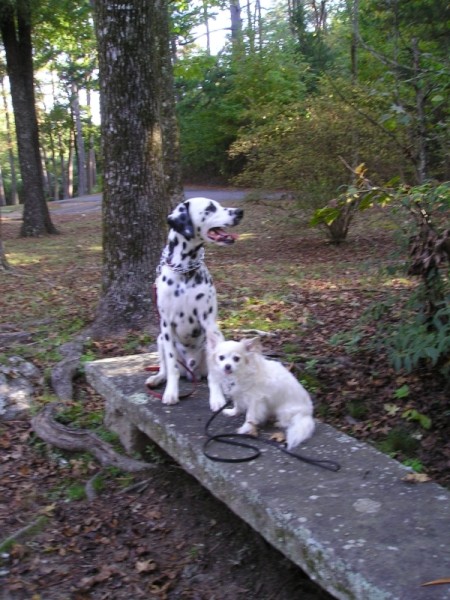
[(361, 533)]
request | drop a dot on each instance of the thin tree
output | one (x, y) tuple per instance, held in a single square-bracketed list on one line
[(133, 47), (15, 28), (14, 196)]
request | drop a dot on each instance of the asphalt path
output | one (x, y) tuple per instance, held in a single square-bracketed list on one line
[(89, 204)]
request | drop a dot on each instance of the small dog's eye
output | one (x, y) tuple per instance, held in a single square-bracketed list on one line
[(236, 358), (221, 357)]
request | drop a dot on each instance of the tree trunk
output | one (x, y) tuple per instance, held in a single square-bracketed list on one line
[(81, 153), (237, 38), (68, 188), (14, 197), (2, 189), (4, 265), (91, 167), (133, 46), (421, 128), (19, 60), (206, 23)]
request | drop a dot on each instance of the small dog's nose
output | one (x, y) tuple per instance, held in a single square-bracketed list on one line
[(227, 368), (239, 213)]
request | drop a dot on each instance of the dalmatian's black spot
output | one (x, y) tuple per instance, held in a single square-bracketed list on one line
[(169, 282), (181, 315), (211, 208), (194, 312), (199, 296), (173, 243), (198, 278), (210, 310), (166, 336), (191, 320)]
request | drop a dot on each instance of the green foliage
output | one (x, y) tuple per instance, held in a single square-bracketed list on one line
[(76, 492), (401, 392), (357, 409), (414, 415), (419, 333), (414, 343), (399, 440), (415, 464)]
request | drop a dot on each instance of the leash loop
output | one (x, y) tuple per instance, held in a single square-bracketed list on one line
[(230, 440), (235, 439)]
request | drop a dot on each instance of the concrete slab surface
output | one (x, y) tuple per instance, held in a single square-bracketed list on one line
[(361, 533)]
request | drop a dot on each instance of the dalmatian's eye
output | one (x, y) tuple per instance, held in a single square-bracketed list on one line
[(221, 357), (236, 358)]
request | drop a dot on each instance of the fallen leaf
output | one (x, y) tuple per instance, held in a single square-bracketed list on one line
[(145, 566), (416, 478)]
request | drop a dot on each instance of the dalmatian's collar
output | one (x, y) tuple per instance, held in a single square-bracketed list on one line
[(181, 267)]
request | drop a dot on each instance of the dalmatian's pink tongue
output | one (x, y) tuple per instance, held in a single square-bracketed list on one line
[(220, 236)]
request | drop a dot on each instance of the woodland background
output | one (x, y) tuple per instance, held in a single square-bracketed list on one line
[(334, 113), (296, 86)]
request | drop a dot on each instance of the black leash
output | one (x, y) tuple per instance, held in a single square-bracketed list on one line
[(234, 439)]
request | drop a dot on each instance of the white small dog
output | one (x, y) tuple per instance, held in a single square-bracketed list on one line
[(264, 389)]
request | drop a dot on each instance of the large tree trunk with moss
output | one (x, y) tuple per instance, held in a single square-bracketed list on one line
[(133, 45), (15, 26)]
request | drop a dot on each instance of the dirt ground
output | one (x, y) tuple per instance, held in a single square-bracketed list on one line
[(169, 538)]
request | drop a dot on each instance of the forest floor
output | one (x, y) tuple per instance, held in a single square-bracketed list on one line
[(168, 538)]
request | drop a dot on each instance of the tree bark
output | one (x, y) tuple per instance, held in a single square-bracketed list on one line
[(81, 151), (237, 38), (19, 60), (134, 50), (14, 197)]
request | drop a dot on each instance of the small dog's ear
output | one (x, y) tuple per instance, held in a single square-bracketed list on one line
[(253, 345), (213, 339), (180, 220)]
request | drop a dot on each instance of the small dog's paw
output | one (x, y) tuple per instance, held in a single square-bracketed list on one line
[(249, 428), (216, 403), (231, 412), (170, 399)]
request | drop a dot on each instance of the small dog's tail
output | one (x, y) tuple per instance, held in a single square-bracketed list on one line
[(299, 429)]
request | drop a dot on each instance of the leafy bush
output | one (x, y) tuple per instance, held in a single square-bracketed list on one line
[(414, 333), (414, 342)]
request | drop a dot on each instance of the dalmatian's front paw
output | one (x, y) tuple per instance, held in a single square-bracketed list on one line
[(170, 398), (155, 380)]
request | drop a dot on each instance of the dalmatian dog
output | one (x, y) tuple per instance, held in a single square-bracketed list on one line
[(186, 296)]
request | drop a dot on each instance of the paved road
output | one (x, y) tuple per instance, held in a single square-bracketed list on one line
[(92, 203)]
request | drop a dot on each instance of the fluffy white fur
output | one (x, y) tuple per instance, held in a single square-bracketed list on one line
[(263, 389)]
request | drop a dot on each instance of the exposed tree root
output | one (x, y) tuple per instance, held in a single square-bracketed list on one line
[(63, 373), (31, 528), (66, 438)]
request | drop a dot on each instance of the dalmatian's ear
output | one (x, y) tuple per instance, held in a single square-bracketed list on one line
[(180, 220)]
